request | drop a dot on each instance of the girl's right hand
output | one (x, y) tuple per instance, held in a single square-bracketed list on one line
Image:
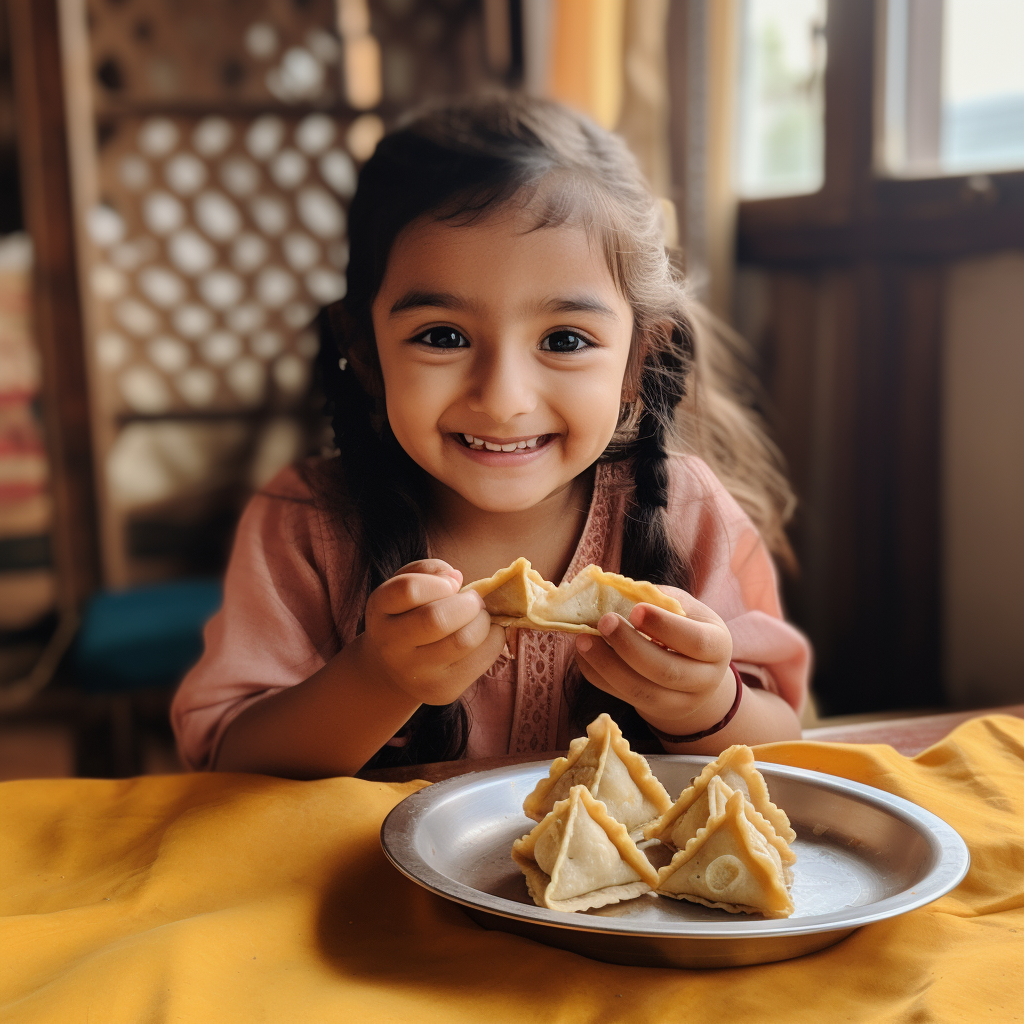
[(425, 637)]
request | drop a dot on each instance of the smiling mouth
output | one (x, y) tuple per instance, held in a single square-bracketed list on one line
[(480, 444)]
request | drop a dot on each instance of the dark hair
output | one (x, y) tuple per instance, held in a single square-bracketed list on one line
[(458, 162)]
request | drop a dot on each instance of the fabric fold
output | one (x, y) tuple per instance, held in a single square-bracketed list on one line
[(236, 898)]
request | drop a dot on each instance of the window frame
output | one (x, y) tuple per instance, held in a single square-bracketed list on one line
[(860, 212)]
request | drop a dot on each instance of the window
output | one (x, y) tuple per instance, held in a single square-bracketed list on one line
[(781, 110), (954, 87)]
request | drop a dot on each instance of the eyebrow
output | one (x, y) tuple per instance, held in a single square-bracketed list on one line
[(418, 299), (580, 304)]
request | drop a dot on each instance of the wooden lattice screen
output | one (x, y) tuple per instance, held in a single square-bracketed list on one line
[(215, 147)]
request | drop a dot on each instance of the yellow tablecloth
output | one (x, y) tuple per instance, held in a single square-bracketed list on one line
[(228, 898)]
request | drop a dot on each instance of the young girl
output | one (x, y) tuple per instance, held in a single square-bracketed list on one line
[(503, 376)]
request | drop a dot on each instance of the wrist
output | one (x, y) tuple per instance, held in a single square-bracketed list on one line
[(371, 669)]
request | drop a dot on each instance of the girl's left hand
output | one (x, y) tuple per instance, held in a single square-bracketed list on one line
[(680, 684)]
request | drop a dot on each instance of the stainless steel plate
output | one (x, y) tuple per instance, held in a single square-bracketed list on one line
[(862, 856)]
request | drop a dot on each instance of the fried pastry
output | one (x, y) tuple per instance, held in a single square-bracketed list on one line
[(612, 773), (520, 596), (579, 857), (735, 766), (733, 863)]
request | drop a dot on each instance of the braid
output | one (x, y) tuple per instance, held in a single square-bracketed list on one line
[(385, 492), (647, 553)]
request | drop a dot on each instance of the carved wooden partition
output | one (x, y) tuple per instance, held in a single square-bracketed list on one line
[(214, 147)]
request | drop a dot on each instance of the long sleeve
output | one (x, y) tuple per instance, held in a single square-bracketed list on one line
[(283, 597)]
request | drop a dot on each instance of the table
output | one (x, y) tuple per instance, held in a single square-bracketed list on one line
[(235, 898), (908, 735)]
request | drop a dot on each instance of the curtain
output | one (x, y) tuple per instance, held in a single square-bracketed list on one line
[(611, 59)]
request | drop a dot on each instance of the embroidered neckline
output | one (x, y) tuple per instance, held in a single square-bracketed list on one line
[(542, 657)]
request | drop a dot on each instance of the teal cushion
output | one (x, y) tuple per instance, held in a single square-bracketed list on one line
[(144, 636)]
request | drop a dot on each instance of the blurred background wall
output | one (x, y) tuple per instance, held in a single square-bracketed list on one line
[(845, 180), (27, 583)]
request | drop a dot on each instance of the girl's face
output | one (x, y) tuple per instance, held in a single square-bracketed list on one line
[(503, 352)]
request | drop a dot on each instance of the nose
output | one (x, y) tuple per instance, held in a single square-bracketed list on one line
[(502, 386)]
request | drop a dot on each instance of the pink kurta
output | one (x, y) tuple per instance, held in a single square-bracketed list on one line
[(288, 579)]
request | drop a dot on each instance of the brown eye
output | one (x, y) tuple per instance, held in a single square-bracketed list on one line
[(443, 337), (564, 341)]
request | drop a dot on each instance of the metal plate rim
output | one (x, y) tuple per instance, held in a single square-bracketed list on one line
[(952, 862)]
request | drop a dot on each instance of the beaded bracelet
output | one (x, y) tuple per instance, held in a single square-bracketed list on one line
[(717, 727)]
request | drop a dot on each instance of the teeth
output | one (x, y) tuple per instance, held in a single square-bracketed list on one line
[(480, 444)]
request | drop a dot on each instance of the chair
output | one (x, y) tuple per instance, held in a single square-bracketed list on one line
[(133, 647)]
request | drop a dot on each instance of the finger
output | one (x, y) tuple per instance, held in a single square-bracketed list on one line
[(692, 607), (407, 591), (429, 623), (471, 650), (451, 679), (593, 675), (647, 660), (636, 660), (704, 639), (628, 684), (607, 672), (432, 567)]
